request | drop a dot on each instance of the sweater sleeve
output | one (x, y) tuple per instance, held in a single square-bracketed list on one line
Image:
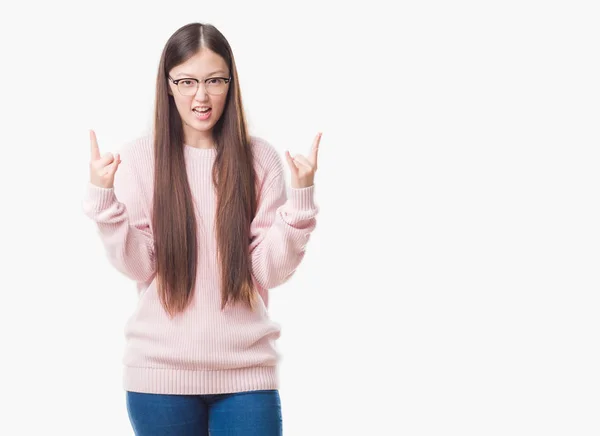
[(280, 232), (123, 226)]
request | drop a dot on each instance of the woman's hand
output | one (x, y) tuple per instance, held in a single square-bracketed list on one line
[(102, 168), (303, 168)]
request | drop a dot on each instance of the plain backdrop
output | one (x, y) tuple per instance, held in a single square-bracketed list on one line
[(451, 286)]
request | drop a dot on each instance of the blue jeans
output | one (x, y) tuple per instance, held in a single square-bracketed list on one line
[(250, 413)]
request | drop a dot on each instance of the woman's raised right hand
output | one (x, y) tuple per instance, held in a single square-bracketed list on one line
[(102, 168)]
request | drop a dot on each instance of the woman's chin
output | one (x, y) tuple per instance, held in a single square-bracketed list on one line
[(201, 126)]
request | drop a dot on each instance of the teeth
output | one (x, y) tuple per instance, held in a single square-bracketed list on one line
[(206, 109)]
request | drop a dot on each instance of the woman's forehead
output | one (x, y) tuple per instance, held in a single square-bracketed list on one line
[(204, 63)]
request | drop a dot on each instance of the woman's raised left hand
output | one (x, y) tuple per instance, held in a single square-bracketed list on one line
[(303, 168)]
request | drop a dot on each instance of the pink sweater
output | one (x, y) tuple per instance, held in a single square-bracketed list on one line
[(204, 350)]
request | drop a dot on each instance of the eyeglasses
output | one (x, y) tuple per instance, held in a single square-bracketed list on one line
[(213, 85)]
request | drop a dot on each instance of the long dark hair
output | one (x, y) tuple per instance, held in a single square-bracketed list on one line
[(173, 220)]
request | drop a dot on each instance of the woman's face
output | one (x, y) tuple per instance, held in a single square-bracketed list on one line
[(200, 110)]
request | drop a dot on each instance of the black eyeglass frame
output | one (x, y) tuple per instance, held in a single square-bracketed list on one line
[(176, 82)]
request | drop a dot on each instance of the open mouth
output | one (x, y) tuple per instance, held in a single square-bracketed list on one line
[(202, 113)]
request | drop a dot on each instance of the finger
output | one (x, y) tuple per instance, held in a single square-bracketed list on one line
[(94, 146), (112, 168), (104, 160), (314, 152), (291, 163), (301, 160)]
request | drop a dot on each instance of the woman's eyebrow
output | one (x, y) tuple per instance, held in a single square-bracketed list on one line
[(192, 76)]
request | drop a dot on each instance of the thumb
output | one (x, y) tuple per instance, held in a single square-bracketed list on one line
[(112, 168)]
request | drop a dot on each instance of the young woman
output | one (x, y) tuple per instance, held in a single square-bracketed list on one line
[(198, 214)]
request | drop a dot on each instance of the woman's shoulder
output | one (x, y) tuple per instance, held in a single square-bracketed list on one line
[(140, 148), (267, 158), (137, 161)]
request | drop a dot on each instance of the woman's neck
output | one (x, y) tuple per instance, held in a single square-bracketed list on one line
[(199, 140)]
